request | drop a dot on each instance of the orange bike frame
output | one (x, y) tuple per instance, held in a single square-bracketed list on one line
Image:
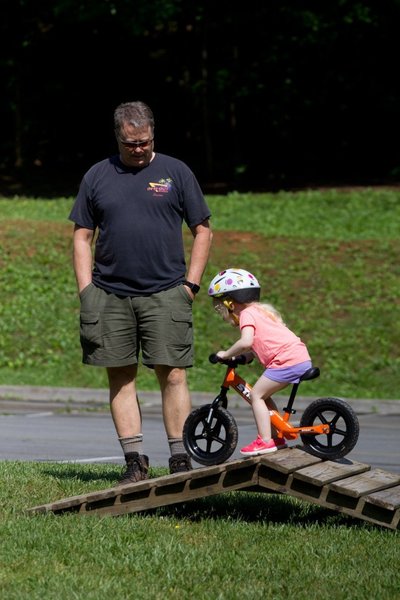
[(278, 421)]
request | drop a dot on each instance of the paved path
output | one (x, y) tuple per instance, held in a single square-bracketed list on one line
[(73, 424)]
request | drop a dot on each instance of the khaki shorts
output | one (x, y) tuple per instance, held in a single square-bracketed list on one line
[(115, 329)]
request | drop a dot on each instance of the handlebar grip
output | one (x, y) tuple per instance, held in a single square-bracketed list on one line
[(213, 358), (241, 359), (230, 362)]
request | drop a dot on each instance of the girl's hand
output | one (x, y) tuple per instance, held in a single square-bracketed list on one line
[(222, 355)]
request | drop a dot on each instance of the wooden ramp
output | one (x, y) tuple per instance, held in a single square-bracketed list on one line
[(344, 486)]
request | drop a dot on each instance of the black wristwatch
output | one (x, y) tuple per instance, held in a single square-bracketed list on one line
[(193, 286)]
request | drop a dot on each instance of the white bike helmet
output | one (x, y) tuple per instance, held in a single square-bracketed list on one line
[(237, 284)]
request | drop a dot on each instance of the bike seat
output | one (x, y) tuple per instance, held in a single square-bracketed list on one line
[(310, 374)]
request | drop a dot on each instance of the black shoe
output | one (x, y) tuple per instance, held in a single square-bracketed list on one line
[(179, 463), (137, 468)]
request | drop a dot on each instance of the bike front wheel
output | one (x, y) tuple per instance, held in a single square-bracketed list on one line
[(343, 423), (210, 441)]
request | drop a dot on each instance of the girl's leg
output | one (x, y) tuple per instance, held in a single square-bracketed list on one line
[(270, 403), (261, 403)]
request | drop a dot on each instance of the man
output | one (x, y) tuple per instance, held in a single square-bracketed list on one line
[(136, 296)]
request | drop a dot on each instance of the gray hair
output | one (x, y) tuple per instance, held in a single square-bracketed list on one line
[(137, 114)]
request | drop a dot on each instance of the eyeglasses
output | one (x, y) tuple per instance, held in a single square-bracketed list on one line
[(140, 144)]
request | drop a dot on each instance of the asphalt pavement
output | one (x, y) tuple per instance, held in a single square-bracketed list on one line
[(74, 425)]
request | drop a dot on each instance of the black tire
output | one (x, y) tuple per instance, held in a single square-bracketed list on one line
[(344, 428), (210, 444)]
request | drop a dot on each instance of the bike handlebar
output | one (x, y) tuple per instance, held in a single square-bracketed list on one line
[(230, 362), (213, 358)]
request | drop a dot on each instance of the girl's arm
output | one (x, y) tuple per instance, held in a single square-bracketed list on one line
[(244, 344)]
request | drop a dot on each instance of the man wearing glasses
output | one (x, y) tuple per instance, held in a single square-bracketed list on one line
[(136, 294)]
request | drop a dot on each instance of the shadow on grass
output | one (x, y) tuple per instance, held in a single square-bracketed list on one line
[(84, 474), (95, 472), (252, 507)]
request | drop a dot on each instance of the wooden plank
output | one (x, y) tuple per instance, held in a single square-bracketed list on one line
[(383, 505), (275, 469), (233, 465), (353, 507), (129, 503), (329, 471), (160, 491), (388, 498), (288, 460), (105, 495), (366, 483)]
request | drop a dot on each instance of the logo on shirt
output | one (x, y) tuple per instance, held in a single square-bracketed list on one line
[(161, 187)]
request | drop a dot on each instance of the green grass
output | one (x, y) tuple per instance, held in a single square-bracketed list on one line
[(329, 260), (239, 545), (330, 214)]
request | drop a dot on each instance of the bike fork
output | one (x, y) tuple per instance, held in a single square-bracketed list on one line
[(220, 400)]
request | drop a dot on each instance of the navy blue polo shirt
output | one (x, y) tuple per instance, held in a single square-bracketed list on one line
[(138, 215)]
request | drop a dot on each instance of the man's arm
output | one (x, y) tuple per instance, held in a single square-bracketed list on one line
[(82, 256), (202, 235)]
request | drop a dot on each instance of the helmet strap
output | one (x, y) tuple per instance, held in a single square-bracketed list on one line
[(229, 305)]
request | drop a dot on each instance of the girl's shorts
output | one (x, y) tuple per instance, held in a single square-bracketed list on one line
[(290, 374)]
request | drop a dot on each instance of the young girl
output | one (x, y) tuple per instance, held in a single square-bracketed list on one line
[(236, 295)]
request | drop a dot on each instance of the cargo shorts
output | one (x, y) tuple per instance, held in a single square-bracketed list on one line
[(114, 330)]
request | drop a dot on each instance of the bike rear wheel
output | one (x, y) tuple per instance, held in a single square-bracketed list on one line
[(344, 428), (210, 443)]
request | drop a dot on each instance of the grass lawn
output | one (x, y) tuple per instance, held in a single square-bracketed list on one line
[(329, 260), (240, 545)]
